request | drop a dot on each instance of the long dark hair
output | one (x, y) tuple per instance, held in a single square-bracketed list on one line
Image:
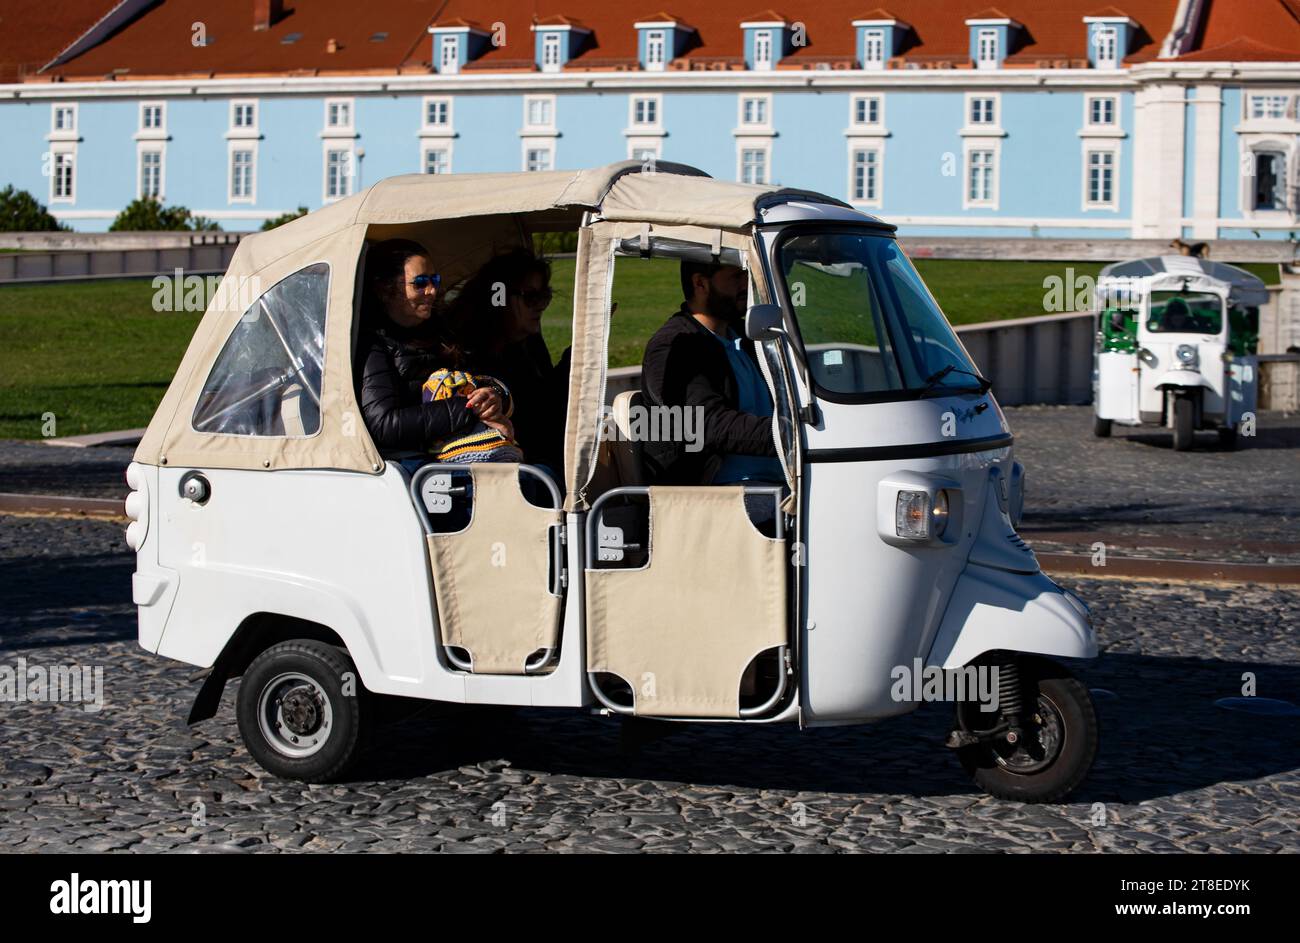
[(477, 323), (385, 266)]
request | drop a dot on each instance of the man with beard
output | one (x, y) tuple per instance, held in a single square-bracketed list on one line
[(700, 360)]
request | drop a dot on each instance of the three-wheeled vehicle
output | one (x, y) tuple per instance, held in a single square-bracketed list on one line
[(1175, 346), (274, 542)]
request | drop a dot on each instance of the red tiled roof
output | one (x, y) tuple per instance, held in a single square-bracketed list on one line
[(559, 19), (1109, 11), (458, 22), (1242, 50), (764, 16), (33, 33), (158, 43), (1264, 30)]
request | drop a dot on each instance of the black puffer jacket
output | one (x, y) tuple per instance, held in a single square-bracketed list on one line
[(392, 364)]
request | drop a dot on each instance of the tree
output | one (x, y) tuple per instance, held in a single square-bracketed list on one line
[(284, 218), (148, 215), (20, 212)]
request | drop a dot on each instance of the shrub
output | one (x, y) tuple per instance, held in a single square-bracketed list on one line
[(21, 212)]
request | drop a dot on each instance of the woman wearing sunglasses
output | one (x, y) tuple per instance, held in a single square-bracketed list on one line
[(402, 343), (497, 317)]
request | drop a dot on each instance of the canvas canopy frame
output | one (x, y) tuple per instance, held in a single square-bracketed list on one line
[(463, 219)]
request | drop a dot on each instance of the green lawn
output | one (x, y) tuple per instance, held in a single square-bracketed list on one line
[(98, 357)]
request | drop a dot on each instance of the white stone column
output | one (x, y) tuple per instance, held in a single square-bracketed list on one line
[(1206, 150), (1159, 127)]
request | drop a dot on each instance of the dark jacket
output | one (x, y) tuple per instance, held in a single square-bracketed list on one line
[(540, 391), (684, 365), (392, 364)]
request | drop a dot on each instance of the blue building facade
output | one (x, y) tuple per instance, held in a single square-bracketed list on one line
[(1100, 148)]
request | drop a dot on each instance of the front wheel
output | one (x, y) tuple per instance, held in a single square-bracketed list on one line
[(301, 711), (1101, 427), (1056, 737), (1184, 413)]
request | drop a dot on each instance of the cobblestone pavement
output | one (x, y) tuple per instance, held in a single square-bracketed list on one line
[(1175, 771), (1134, 491)]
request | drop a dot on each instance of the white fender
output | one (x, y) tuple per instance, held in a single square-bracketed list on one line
[(1185, 378), (994, 609)]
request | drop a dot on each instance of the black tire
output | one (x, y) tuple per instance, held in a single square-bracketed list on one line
[(1228, 439), (1101, 427), (297, 689), (1072, 757), (1184, 431)]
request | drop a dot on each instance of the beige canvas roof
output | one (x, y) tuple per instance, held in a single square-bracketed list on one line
[(463, 219)]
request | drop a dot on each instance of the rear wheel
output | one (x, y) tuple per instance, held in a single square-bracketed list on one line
[(302, 711), (1101, 427), (1184, 413), (1050, 744)]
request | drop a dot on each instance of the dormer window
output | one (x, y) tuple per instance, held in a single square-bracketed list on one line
[(991, 36), (873, 49), (449, 55), (1108, 38), (456, 42), (660, 39), (654, 50), (762, 50), (551, 52)]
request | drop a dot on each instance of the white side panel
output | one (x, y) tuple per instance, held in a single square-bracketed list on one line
[(1117, 386)]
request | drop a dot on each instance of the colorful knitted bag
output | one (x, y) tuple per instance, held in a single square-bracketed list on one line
[(481, 443)]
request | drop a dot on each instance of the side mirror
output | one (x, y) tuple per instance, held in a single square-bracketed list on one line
[(764, 322)]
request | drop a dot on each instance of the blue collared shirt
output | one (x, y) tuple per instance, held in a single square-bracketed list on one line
[(752, 397)]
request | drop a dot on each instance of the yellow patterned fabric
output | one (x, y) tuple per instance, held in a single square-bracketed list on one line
[(482, 443)]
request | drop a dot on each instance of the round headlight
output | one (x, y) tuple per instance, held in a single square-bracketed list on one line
[(939, 514), (1186, 354)]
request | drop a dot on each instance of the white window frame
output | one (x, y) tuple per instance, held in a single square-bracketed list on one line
[(764, 41), (656, 39), (350, 104), (232, 148), (441, 126), (873, 40), (441, 147), (968, 151), (1249, 99), (70, 107), (657, 101), (161, 127), (1090, 100), (763, 145), (346, 147), (994, 112), (141, 150), (857, 147), (1105, 38), (541, 145), (866, 122), (1113, 151), (1252, 147), (62, 149), (448, 65), (235, 105), (547, 126), (652, 144), (551, 51), (994, 45), (765, 101)]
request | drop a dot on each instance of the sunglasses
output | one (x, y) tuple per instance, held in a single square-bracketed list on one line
[(538, 298), (422, 282)]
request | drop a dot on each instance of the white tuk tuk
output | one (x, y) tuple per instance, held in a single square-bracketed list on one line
[(273, 541), (1175, 346)]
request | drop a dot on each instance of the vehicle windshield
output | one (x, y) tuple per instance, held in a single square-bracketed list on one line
[(1185, 312), (870, 327)]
